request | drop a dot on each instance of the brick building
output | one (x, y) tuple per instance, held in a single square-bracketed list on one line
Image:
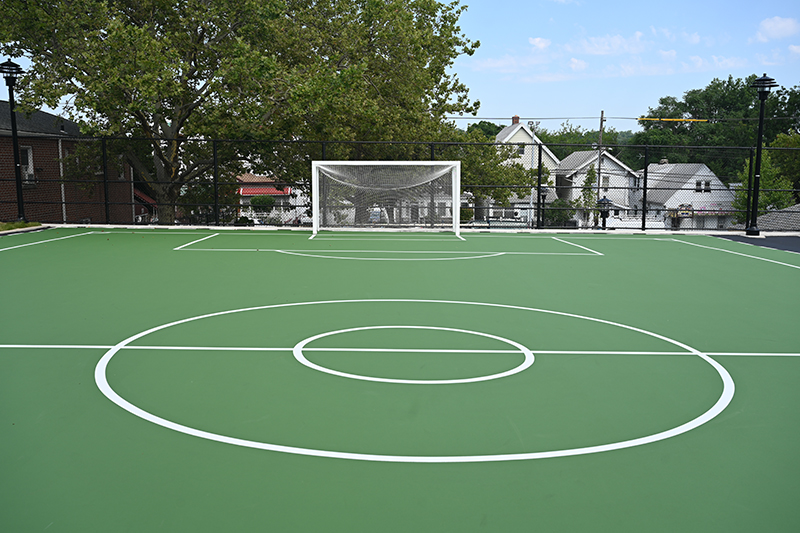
[(62, 174)]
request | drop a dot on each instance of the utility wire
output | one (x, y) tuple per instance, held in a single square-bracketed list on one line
[(631, 118)]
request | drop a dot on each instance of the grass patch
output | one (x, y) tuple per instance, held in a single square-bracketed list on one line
[(6, 226)]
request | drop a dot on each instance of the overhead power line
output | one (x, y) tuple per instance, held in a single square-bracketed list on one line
[(526, 119)]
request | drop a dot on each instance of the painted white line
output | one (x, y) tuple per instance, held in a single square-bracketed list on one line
[(59, 346), (381, 350), (526, 363), (46, 241), (737, 253), (726, 396), (289, 252), (194, 242), (578, 245)]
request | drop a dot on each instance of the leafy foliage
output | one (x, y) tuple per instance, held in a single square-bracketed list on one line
[(176, 70), (773, 188), (731, 109)]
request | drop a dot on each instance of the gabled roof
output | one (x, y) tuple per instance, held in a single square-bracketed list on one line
[(507, 133), (579, 160), (39, 123), (665, 179)]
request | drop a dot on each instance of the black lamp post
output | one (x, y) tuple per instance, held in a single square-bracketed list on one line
[(11, 72), (604, 204), (763, 86)]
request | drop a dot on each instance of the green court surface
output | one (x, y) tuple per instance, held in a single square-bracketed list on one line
[(198, 380)]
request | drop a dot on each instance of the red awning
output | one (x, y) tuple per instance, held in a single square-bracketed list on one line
[(264, 190), (142, 196)]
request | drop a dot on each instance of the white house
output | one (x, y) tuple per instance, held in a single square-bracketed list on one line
[(614, 180), (687, 196), (527, 154)]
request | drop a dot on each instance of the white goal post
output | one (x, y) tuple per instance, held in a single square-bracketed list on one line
[(396, 195)]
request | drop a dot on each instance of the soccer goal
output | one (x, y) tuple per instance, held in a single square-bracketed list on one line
[(398, 195)]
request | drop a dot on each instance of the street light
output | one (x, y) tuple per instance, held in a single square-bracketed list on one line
[(11, 71), (604, 204), (763, 86)]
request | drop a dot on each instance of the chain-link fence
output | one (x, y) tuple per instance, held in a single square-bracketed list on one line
[(223, 182)]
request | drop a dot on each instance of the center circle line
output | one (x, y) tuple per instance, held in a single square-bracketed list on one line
[(527, 362)]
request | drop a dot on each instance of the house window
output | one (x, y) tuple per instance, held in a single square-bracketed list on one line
[(707, 186), (605, 183), (26, 166), (698, 186), (521, 150)]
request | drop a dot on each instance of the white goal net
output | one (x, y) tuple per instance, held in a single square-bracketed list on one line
[(413, 195)]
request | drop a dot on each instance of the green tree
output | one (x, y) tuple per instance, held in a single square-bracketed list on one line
[(724, 113), (587, 201), (173, 71), (570, 137), (787, 158), (488, 129), (774, 190), (558, 214)]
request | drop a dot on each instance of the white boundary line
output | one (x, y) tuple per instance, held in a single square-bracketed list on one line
[(737, 253), (577, 245), (722, 402), (46, 241), (194, 242)]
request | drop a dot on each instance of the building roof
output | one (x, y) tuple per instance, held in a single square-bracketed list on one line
[(39, 123), (581, 159), (507, 133), (664, 179), (260, 185), (781, 220)]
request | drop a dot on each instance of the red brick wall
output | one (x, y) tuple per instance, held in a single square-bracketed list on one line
[(83, 196)]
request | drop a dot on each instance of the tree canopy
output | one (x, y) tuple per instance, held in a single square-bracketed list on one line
[(170, 70), (725, 114)]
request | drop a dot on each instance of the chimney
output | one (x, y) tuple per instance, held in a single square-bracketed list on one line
[(515, 120)]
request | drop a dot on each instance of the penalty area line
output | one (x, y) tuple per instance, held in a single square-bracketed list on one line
[(194, 242)]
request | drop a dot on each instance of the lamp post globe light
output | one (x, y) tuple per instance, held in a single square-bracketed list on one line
[(763, 86), (11, 71)]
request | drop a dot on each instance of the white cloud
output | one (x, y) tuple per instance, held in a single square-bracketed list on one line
[(539, 43), (610, 45), (668, 55), (776, 28), (693, 38), (696, 63), (793, 48), (577, 65), (664, 32), (729, 62)]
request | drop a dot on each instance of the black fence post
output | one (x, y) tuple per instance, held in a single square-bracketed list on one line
[(433, 152), (105, 179), (748, 208), (216, 182), (644, 188), (539, 214)]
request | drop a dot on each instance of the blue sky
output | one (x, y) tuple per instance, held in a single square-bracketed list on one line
[(574, 58)]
